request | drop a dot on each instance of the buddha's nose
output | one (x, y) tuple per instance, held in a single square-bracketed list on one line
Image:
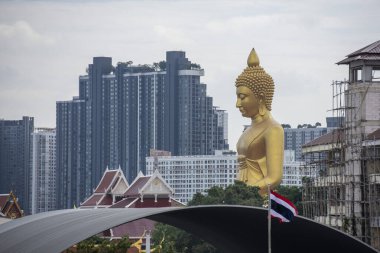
[(238, 103)]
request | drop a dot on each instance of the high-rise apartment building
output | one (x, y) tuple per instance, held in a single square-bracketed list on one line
[(15, 158), (127, 110), (43, 176), (72, 180)]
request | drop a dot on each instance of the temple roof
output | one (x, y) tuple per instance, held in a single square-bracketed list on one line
[(124, 203), (370, 52), (9, 206), (136, 186), (93, 200), (106, 181), (3, 200), (374, 135), (153, 184), (134, 229)]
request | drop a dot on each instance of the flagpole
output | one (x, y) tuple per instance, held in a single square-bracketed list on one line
[(269, 222)]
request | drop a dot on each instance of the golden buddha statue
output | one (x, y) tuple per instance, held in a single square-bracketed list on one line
[(261, 146)]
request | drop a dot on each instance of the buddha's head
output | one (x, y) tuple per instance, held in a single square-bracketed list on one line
[(254, 88)]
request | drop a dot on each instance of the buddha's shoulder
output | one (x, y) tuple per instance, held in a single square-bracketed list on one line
[(274, 127)]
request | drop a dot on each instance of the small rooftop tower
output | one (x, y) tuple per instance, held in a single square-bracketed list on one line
[(362, 97), (364, 64)]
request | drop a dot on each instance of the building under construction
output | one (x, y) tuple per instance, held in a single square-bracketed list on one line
[(346, 192)]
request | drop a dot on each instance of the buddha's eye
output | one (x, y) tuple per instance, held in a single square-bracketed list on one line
[(242, 96)]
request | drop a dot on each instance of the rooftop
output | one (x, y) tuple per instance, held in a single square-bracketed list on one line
[(370, 52), (329, 138), (374, 135)]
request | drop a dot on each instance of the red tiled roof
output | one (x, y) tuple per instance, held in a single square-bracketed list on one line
[(329, 138), (136, 186), (106, 181), (123, 203), (3, 200), (374, 135), (133, 229), (106, 201), (92, 200)]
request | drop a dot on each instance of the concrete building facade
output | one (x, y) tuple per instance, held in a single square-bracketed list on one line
[(43, 181), (294, 138), (188, 175)]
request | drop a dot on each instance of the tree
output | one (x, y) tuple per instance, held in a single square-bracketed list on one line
[(294, 194), (235, 194), (162, 65)]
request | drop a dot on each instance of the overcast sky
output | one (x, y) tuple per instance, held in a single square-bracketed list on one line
[(46, 45)]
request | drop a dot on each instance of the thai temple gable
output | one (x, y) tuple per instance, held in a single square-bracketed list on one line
[(120, 186), (112, 185), (9, 206), (156, 185)]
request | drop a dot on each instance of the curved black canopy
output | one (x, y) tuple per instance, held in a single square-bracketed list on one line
[(229, 228)]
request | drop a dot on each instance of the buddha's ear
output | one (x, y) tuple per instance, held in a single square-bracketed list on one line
[(261, 98)]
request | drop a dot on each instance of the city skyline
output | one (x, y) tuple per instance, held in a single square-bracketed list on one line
[(298, 44), (123, 111)]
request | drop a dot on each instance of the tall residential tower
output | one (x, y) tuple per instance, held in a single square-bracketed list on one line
[(125, 111), (43, 178), (15, 158)]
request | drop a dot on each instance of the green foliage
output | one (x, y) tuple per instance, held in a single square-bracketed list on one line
[(294, 194), (317, 124), (159, 66), (179, 241), (96, 244), (235, 194), (195, 66)]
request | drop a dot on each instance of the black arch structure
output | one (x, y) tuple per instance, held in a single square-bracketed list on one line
[(229, 228)]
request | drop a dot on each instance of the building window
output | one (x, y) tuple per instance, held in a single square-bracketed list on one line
[(357, 74)]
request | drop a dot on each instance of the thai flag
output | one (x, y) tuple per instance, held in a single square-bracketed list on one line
[(282, 208)]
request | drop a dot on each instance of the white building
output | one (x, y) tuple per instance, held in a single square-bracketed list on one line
[(294, 170), (43, 170), (191, 174), (188, 175)]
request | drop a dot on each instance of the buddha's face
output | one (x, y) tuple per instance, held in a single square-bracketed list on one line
[(247, 103)]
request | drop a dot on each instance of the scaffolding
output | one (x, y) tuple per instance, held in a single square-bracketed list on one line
[(346, 192)]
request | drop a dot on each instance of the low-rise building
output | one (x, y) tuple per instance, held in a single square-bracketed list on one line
[(294, 171), (189, 175)]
